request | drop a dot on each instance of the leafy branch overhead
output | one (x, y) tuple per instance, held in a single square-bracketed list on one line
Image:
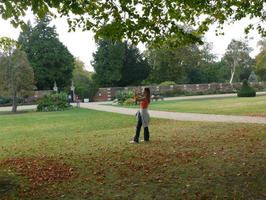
[(141, 20)]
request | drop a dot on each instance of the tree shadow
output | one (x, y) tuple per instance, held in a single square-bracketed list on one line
[(7, 186), (16, 113)]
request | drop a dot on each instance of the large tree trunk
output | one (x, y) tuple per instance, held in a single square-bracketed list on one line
[(14, 103), (232, 76), (233, 71)]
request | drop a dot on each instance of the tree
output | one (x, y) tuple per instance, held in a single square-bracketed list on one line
[(16, 74), (50, 59), (141, 20), (135, 68), (261, 60), (85, 87), (118, 64), (107, 62), (187, 64), (238, 60), (166, 65)]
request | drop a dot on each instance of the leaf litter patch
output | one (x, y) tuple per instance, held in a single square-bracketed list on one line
[(41, 170)]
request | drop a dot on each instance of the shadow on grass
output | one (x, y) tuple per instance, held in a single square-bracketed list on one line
[(7, 186), (16, 113)]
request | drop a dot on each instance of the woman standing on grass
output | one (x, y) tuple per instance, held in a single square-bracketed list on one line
[(143, 116)]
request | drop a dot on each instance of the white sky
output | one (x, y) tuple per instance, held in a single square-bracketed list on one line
[(82, 45)]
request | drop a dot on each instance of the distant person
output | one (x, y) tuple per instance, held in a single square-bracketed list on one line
[(69, 99), (78, 101), (143, 116)]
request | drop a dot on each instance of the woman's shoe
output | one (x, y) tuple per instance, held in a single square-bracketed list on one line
[(133, 142)]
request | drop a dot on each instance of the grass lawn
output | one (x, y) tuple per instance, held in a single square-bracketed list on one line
[(85, 154), (225, 106)]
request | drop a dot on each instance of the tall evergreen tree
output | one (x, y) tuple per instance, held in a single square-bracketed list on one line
[(118, 64), (49, 58)]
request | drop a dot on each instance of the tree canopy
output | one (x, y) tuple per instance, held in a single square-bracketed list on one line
[(238, 60), (49, 58), (189, 64), (141, 20), (261, 60), (16, 76), (84, 85), (118, 64)]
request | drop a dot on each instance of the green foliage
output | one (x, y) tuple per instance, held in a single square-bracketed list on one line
[(238, 60), (188, 64), (129, 102), (16, 76), (7, 45), (85, 87), (5, 101), (135, 68), (246, 90), (142, 20), (50, 59), (53, 102), (174, 93), (261, 61), (118, 64), (123, 96), (108, 62), (167, 83)]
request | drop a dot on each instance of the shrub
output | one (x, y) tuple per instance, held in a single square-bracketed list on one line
[(129, 102), (122, 96), (167, 83), (174, 93), (5, 101), (246, 90), (53, 102)]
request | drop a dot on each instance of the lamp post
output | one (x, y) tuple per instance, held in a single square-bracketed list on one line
[(55, 88), (72, 88)]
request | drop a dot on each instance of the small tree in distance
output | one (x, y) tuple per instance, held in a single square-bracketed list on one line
[(16, 74)]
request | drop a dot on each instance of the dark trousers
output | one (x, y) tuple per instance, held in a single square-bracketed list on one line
[(138, 129)]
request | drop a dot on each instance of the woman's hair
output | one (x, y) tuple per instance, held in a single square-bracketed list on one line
[(148, 92)]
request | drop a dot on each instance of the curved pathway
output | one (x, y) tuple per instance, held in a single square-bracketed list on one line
[(169, 115), (177, 115)]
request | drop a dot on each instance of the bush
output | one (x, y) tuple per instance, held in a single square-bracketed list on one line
[(246, 90), (174, 93), (167, 83), (129, 102), (122, 96), (5, 101), (53, 102)]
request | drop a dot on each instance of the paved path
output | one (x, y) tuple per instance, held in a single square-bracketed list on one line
[(178, 116), (28, 107), (170, 115), (211, 96)]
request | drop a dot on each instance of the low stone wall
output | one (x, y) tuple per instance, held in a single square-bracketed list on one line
[(108, 94)]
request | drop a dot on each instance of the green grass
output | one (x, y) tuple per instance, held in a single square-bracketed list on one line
[(184, 160), (226, 106)]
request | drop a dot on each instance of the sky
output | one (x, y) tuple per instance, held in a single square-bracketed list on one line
[(82, 44)]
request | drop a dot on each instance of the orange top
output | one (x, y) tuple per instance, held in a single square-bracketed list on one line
[(144, 104)]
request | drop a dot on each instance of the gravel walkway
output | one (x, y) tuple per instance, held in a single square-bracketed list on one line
[(169, 115), (178, 116)]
